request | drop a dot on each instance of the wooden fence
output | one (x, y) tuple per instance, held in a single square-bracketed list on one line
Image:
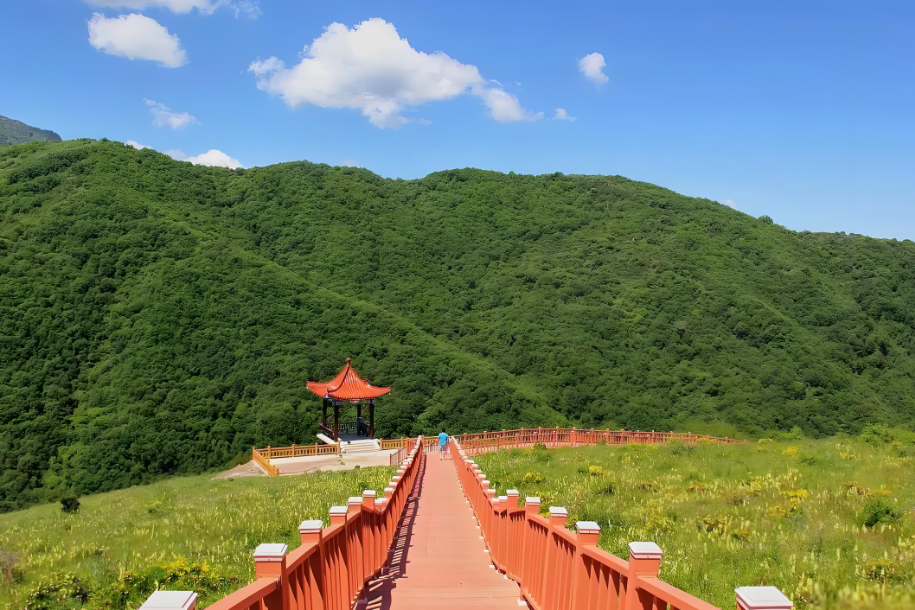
[(558, 569), (475, 444), (334, 564)]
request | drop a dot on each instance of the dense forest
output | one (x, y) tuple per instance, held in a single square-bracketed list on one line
[(158, 317)]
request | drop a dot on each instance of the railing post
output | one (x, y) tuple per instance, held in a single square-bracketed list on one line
[(310, 532), (532, 506), (170, 600), (512, 496), (372, 540), (588, 533), (761, 598), (644, 562), (558, 516), (270, 562), (338, 514)]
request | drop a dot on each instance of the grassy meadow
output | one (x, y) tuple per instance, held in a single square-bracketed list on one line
[(186, 533), (830, 523)]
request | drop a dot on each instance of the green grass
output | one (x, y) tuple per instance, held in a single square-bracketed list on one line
[(184, 533), (791, 516)]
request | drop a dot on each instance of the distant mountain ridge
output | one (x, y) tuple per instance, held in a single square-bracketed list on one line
[(16, 132), (159, 317)]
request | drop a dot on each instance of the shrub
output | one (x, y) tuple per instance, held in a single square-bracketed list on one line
[(876, 435), (879, 510), (240, 458), (790, 451), (596, 471), (533, 477), (810, 459), (69, 504)]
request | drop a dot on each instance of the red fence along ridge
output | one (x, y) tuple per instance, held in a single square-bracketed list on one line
[(475, 444)]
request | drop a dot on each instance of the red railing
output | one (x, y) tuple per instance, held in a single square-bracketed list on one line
[(558, 569), (332, 567), (475, 444)]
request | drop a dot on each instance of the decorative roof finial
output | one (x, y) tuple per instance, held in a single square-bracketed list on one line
[(348, 360)]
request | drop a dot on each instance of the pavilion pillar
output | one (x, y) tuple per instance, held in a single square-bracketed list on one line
[(324, 416), (371, 419), (336, 422)]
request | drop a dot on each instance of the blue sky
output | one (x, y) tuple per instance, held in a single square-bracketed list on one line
[(804, 111)]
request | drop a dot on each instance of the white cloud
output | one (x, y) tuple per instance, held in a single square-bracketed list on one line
[(136, 36), (731, 204), (505, 107), (215, 158), (211, 158), (164, 116), (205, 7), (272, 64), (592, 67), (372, 69), (562, 115), (349, 163)]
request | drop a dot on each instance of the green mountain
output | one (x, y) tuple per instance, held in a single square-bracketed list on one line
[(16, 132), (158, 317)]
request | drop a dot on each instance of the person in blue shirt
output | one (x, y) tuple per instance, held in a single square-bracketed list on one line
[(442, 444)]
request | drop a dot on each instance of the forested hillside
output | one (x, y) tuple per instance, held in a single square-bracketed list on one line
[(160, 317)]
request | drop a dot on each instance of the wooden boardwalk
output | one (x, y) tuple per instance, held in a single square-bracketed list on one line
[(439, 560)]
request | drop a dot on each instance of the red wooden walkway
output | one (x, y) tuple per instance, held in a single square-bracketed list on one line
[(439, 560)]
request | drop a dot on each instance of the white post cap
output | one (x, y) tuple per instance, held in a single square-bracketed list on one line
[(532, 500), (270, 552), (762, 598), (312, 526), (558, 511), (354, 500), (170, 600), (587, 527), (338, 510), (503, 498), (645, 550), (368, 493), (512, 492), (379, 501)]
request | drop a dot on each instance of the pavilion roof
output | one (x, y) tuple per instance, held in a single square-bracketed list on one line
[(347, 385)]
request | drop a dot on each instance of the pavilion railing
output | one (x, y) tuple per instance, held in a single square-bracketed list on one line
[(396, 443), (558, 569), (264, 462), (398, 456), (263, 456), (333, 566), (485, 442)]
